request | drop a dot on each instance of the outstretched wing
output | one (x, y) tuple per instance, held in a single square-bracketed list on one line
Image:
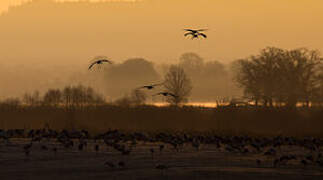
[(171, 94), (190, 30), (150, 86), (166, 94), (105, 60), (202, 30), (143, 87), (204, 35), (91, 65)]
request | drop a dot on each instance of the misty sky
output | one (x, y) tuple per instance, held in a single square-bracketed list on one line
[(38, 39), (238, 28), (5, 4)]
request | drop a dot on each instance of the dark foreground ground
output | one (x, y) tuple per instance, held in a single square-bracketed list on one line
[(207, 163)]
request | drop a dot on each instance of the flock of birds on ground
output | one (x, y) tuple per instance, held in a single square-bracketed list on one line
[(268, 149)]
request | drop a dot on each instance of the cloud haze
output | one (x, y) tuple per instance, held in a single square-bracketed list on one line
[(49, 35)]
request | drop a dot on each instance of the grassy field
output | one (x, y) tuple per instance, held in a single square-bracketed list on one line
[(225, 120)]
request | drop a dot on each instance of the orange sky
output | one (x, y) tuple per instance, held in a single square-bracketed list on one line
[(238, 28), (4, 4), (72, 34)]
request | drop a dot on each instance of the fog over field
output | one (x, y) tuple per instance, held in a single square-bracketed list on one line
[(46, 44)]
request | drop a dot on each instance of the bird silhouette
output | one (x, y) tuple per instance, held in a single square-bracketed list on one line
[(110, 164), (81, 147), (55, 151), (162, 167), (99, 62), (258, 162), (97, 148), (43, 147), (152, 152), (27, 148), (150, 87), (121, 164), (195, 33), (166, 94), (161, 147), (304, 162)]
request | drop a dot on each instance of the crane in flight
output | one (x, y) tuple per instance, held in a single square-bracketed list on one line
[(166, 94), (195, 33), (150, 87), (99, 61)]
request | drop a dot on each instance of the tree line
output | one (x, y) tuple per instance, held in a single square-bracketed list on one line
[(281, 77), (274, 77), (79, 95), (175, 82)]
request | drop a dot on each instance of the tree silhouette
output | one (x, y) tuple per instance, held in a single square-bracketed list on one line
[(177, 83), (317, 94), (300, 72), (33, 99), (67, 96), (12, 103), (283, 76), (53, 97), (80, 96), (259, 75)]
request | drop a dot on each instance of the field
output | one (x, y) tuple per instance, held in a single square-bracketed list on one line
[(160, 143), (208, 162), (225, 120)]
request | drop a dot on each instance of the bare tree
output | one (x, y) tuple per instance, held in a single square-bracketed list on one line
[(177, 83), (317, 94), (81, 96), (52, 97), (300, 75), (33, 99), (281, 76), (261, 75), (11, 103), (67, 96)]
